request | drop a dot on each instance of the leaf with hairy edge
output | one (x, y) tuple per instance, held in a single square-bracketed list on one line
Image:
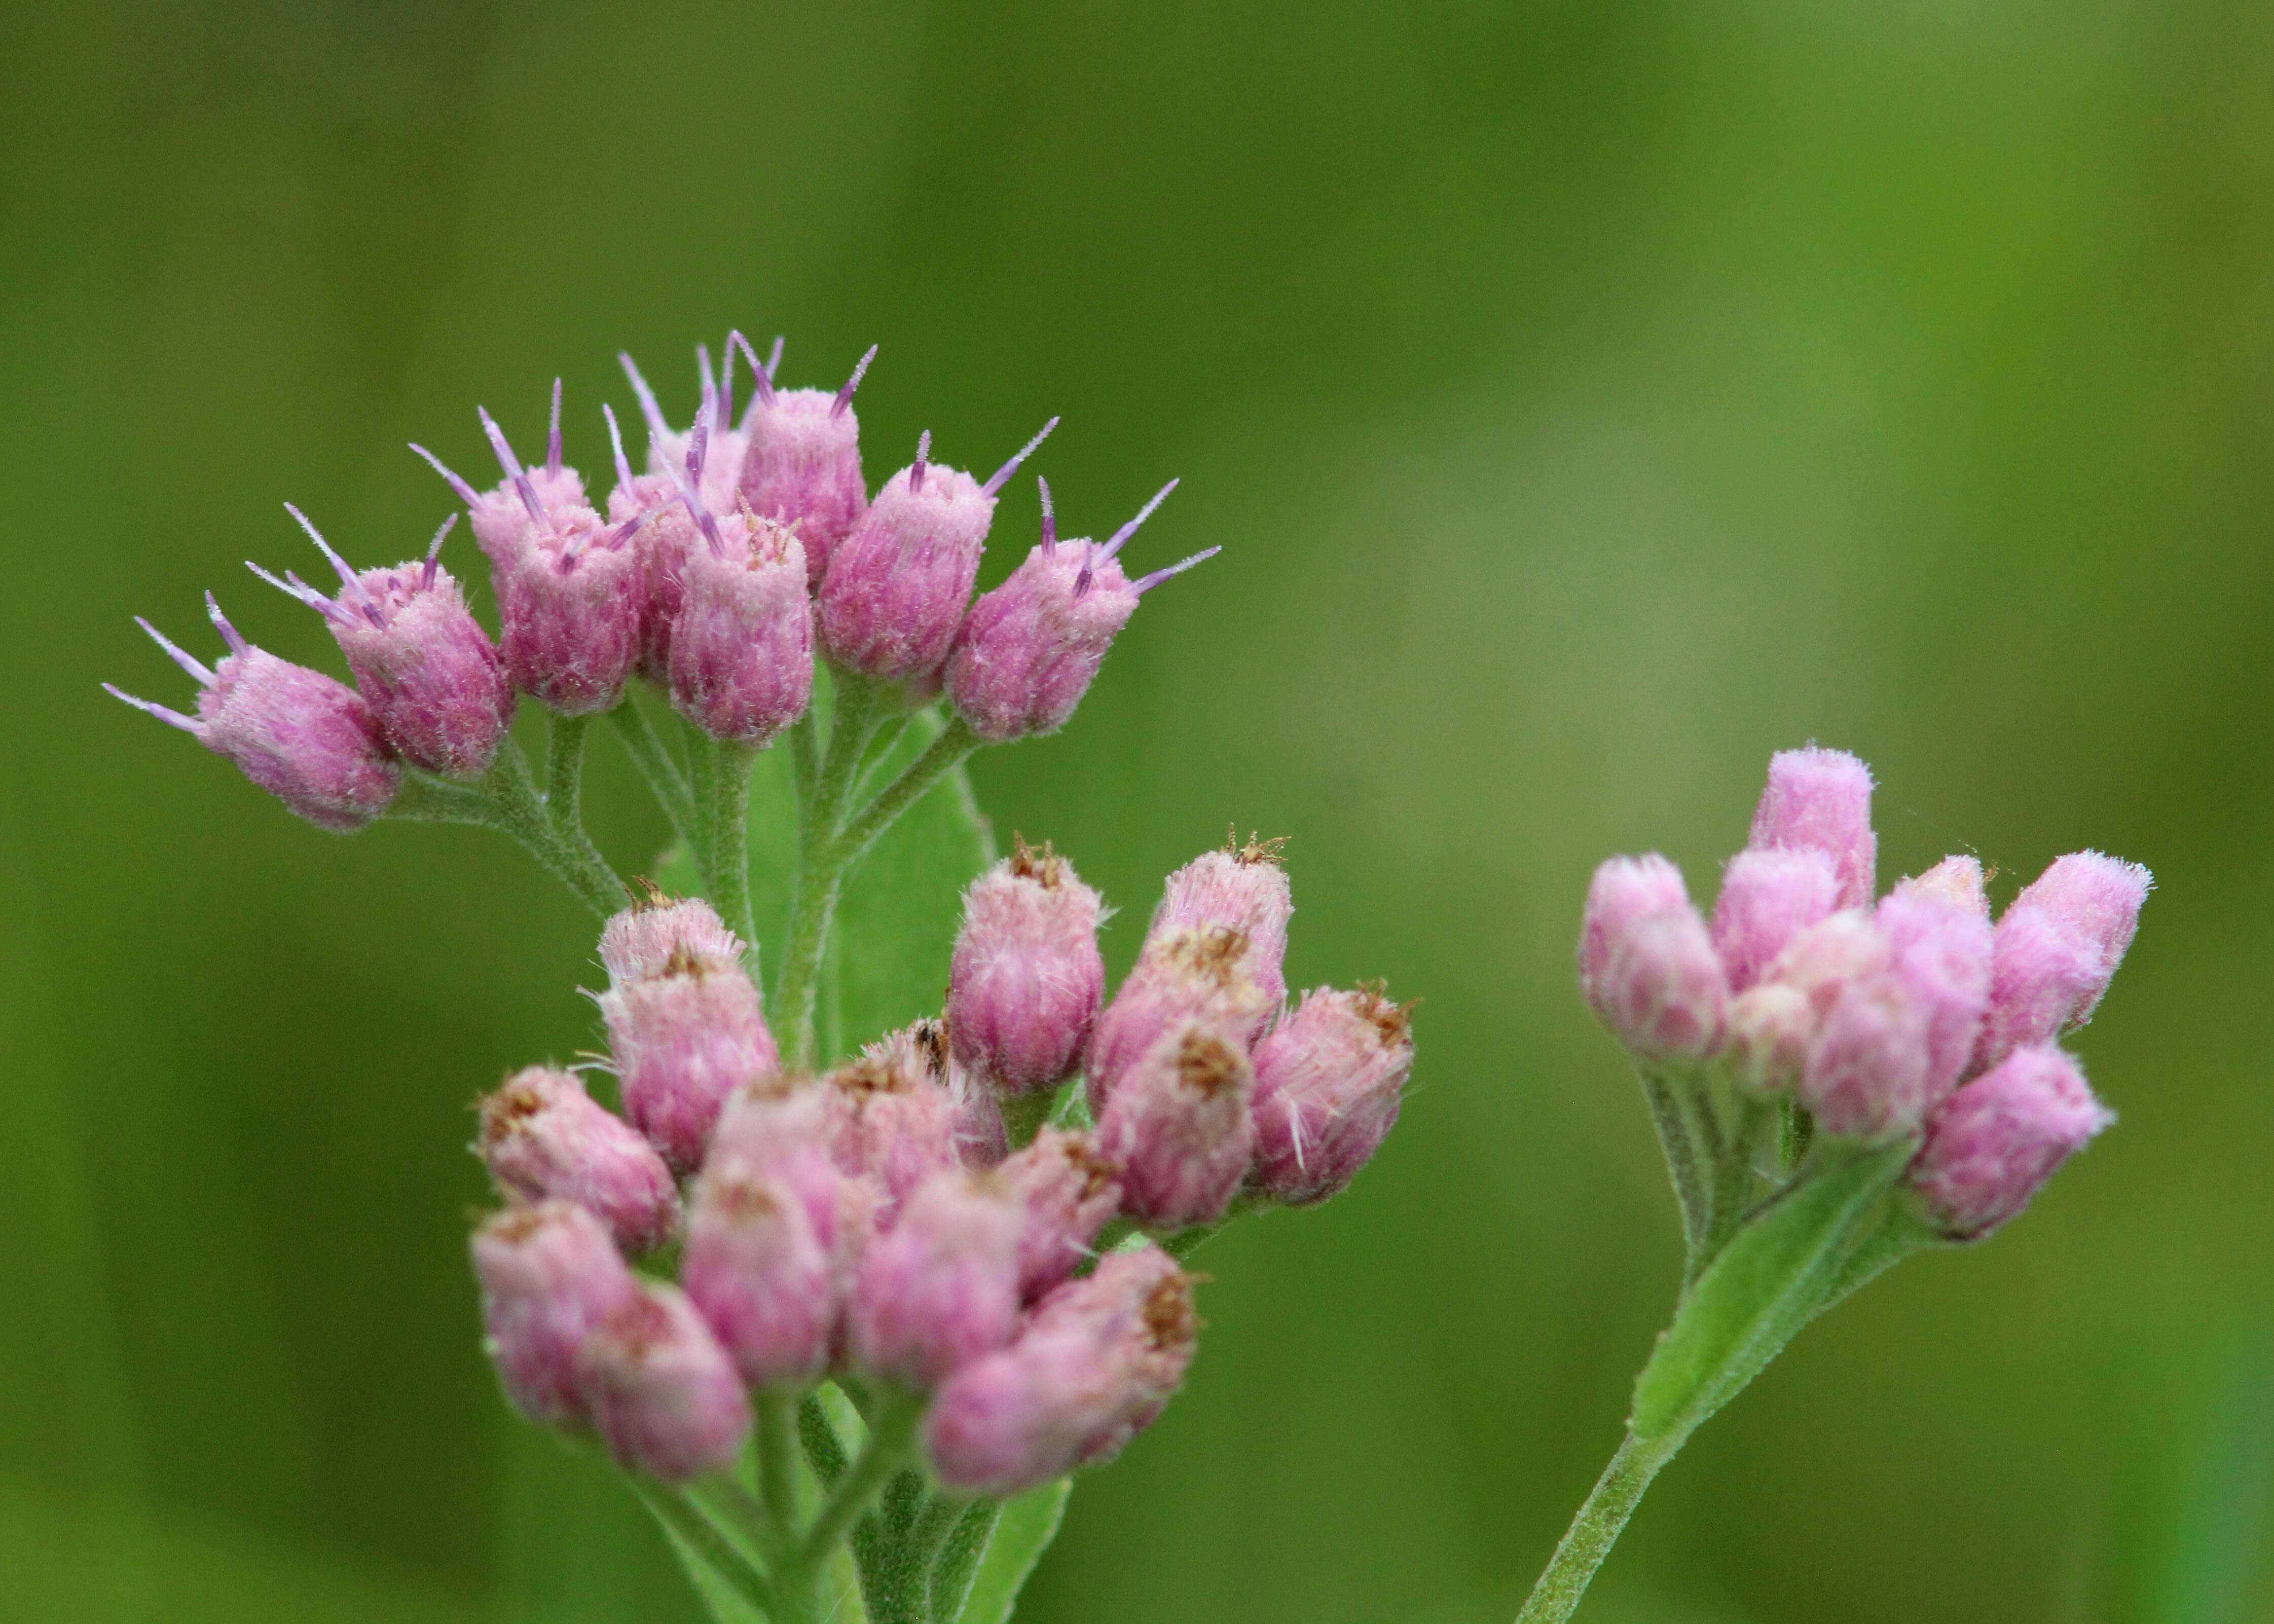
[(1767, 1284), (1026, 1528)]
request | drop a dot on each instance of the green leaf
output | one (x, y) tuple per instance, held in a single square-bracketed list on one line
[(1024, 1530), (726, 1603), (1766, 1284)]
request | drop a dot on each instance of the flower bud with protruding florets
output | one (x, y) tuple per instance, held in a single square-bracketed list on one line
[(1328, 1084), (543, 1138)]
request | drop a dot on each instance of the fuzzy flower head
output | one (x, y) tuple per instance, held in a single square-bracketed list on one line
[(667, 1399), (1647, 964), (2057, 946), (1242, 886), (941, 1286), (568, 588), (802, 462), (1029, 649), (307, 739), (543, 1138), (668, 449), (1994, 1143), (549, 1273), (741, 660), (1820, 801), (1099, 1360), (1181, 1127), (1328, 1084), (1027, 979), (1185, 976), (498, 514), (898, 585), (433, 681)]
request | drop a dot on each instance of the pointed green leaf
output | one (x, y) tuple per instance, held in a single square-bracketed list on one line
[(1024, 1530), (1768, 1282)]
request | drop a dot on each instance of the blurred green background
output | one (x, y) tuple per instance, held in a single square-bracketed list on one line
[(1590, 399)]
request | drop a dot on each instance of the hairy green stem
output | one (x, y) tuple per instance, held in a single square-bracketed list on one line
[(821, 866), (1595, 1529), (777, 1420), (696, 1530), (506, 798), (729, 864), (955, 742), (891, 1436), (656, 764)]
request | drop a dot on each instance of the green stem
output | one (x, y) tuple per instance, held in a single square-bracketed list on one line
[(1734, 1178), (1673, 1111), (1024, 1115), (778, 1471), (890, 1438), (729, 863), (821, 866), (955, 742), (506, 798), (701, 1536), (656, 764), (1595, 1529)]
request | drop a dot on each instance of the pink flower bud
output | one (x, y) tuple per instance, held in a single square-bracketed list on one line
[(1647, 964), (684, 1038), (1866, 1074), (569, 600), (543, 1138), (1327, 1080), (308, 740), (898, 585), (1767, 898), (1098, 1362), (1955, 882), (549, 1273), (663, 1393), (761, 1277), (1184, 976), (1071, 1192), (1996, 1141), (1243, 888), (1026, 982), (803, 463), (710, 439), (1941, 952), (941, 1286), (741, 648), (1898, 998), (1771, 1026), (667, 533), (648, 938), (436, 687), (498, 514), (1029, 649), (1820, 801), (892, 1116), (1181, 1127), (2057, 949)]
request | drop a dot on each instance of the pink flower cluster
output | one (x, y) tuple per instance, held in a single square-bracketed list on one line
[(712, 573), (875, 1221), (1884, 1017)]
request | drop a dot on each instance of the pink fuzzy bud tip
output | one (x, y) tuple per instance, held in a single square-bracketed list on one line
[(1898, 998), (1770, 1029), (435, 683), (2058, 947), (308, 740), (1648, 964), (569, 598), (1242, 887), (1100, 1359), (741, 659), (1071, 1192), (1767, 898), (761, 1274), (543, 1137), (549, 1273), (1027, 980), (892, 1114), (686, 1028), (1994, 1143), (1181, 1127), (898, 585), (1328, 1081), (644, 940), (941, 1286), (663, 1393), (1955, 882), (802, 467), (1184, 976), (1820, 801)]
